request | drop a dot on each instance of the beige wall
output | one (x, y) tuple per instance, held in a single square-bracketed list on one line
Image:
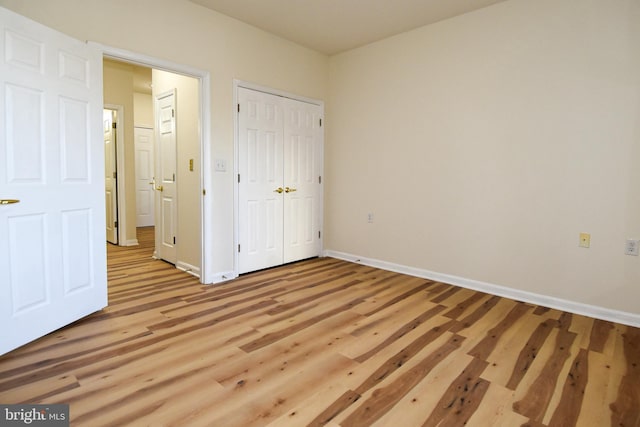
[(185, 33), (118, 90), (485, 144), (142, 110), (189, 183)]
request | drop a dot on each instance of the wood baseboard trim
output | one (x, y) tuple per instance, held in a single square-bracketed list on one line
[(597, 312)]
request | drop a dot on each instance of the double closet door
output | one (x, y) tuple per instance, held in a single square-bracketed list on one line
[(279, 180)]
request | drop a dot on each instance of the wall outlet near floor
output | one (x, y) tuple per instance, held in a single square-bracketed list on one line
[(369, 217), (585, 240), (631, 247)]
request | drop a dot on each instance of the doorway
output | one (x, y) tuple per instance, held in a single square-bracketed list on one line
[(140, 168)]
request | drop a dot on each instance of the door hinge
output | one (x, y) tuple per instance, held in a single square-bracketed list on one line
[(174, 240), (115, 175), (320, 180), (238, 107), (320, 122), (319, 234), (238, 247), (115, 224), (174, 177), (238, 178), (173, 112), (114, 125), (204, 192)]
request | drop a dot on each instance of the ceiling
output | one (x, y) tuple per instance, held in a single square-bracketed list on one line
[(334, 26)]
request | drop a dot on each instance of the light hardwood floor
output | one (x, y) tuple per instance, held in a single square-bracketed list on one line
[(324, 342)]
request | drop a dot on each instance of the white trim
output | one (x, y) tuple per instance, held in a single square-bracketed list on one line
[(271, 91), (603, 313), (236, 162), (120, 169), (205, 139), (188, 268), (131, 242)]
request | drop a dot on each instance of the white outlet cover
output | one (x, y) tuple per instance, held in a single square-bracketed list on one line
[(632, 247)]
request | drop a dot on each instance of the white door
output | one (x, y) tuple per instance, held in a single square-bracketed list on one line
[(166, 204), (303, 137), (110, 177), (279, 191), (52, 250), (145, 193), (261, 188)]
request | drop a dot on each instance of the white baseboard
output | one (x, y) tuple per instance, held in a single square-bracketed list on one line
[(131, 242), (597, 312), (188, 268)]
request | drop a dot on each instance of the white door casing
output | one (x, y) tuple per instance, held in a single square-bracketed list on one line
[(166, 194), (52, 250), (145, 181), (110, 177), (279, 147)]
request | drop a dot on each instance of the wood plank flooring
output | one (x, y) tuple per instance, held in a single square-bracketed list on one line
[(324, 342)]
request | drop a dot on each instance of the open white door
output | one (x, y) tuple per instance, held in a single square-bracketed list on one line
[(166, 203), (110, 177), (52, 245)]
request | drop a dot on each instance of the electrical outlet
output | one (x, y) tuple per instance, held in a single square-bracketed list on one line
[(631, 247), (369, 217), (585, 240)]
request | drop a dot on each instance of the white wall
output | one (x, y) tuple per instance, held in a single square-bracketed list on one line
[(186, 33), (485, 144)]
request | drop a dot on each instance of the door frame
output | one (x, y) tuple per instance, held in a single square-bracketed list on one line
[(206, 181), (236, 161), (120, 178)]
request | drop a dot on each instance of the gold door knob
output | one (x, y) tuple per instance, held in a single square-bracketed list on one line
[(290, 190), (278, 190), (8, 201), (160, 188)]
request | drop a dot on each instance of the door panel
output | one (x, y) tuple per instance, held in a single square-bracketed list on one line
[(145, 193), (261, 157), (53, 258), (302, 169), (166, 233)]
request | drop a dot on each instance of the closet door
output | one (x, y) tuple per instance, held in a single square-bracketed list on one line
[(279, 185), (260, 188), (302, 180)]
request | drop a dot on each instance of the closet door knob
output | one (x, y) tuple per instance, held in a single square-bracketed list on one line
[(278, 190), (290, 190)]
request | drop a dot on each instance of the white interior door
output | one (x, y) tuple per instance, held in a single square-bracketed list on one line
[(166, 203), (52, 250), (303, 150), (110, 177), (261, 192), (279, 190), (145, 182)]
